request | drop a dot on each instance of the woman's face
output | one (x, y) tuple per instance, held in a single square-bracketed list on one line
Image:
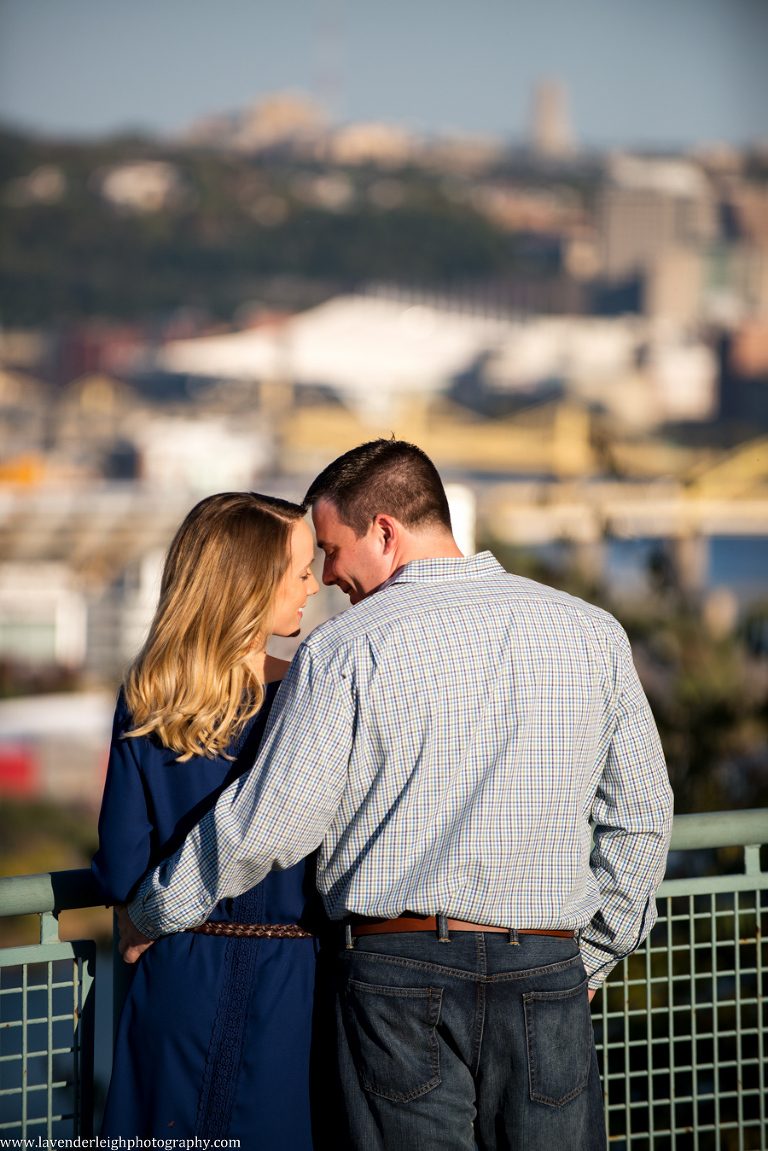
[(297, 584)]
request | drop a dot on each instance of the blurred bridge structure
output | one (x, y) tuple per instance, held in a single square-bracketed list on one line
[(79, 565)]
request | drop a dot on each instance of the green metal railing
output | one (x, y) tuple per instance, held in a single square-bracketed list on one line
[(47, 996), (681, 1026)]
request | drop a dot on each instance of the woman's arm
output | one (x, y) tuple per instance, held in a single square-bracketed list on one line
[(125, 827)]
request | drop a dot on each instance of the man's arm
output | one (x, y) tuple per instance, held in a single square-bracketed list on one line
[(271, 817), (632, 812)]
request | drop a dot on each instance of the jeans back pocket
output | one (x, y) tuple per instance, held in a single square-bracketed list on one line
[(392, 1037), (558, 1033)]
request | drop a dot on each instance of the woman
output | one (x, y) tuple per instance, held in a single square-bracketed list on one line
[(214, 1036)]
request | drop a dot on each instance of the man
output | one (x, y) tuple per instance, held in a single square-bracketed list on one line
[(446, 743)]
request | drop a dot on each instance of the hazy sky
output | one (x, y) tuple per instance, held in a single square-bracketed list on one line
[(663, 72)]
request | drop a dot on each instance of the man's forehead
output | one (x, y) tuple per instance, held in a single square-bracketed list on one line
[(328, 526)]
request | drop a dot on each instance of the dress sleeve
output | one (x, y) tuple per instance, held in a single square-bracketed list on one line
[(125, 827)]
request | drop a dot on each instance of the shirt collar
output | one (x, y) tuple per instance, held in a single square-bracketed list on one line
[(445, 569)]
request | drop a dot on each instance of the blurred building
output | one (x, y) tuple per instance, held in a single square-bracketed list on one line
[(331, 191), (146, 186), (553, 211), (91, 429), (45, 184), (655, 219), (278, 120), (23, 348), (648, 207), (25, 420), (94, 347), (550, 133), (371, 352), (674, 284), (294, 124), (42, 614), (377, 354), (642, 374), (749, 202), (743, 391), (738, 266), (466, 153), (371, 143), (200, 455)]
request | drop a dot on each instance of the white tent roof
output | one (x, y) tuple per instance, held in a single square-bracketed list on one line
[(360, 346)]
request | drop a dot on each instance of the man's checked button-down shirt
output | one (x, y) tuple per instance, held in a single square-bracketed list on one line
[(447, 743)]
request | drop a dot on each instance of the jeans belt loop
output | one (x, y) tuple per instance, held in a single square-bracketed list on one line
[(442, 929), (514, 938), (349, 942)]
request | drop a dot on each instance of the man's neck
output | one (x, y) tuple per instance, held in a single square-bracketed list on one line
[(420, 547), (427, 547)]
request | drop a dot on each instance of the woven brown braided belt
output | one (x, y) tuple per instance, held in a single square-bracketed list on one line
[(252, 930)]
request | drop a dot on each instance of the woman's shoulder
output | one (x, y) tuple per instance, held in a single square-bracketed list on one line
[(144, 749), (122, 721), (149, 749)]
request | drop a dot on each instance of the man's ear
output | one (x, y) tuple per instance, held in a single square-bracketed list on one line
[(386, 528)]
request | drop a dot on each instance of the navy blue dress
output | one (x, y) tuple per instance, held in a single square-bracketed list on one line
[(214, 1037)]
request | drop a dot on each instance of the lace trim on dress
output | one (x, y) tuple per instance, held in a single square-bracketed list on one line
[(225, 1053), (221, 1074)]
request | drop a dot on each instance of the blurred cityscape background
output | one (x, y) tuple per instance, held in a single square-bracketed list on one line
[(570, 317)]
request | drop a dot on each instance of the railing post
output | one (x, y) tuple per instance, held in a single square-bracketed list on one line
[(87, 1043), (49, 927), (752, 859)]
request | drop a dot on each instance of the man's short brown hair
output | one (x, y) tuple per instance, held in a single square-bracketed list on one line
[(383, 477)]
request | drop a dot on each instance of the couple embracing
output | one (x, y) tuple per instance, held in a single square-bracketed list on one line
[(430, 763)]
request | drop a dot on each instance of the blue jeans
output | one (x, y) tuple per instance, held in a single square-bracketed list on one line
[(476, 1039)]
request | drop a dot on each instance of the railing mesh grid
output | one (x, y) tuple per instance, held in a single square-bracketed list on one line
[(681, 1026), (681, 1029), (46, 1041)]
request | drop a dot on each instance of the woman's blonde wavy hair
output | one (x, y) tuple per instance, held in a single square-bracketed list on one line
[(191, 685)]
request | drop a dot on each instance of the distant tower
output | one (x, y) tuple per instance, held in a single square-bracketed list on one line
[(551, 135), (329, 53)]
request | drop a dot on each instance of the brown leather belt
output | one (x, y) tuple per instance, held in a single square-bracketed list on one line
[(251, 930), (429, 923)]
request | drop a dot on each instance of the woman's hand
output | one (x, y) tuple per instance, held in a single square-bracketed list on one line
[(133, 943)]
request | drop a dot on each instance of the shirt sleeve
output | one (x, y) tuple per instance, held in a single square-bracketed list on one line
[(125, 828), (272, 816), (632, 814)]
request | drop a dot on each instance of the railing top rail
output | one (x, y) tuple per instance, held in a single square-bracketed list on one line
[(719, 829), (49, 891), (65, 890)]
